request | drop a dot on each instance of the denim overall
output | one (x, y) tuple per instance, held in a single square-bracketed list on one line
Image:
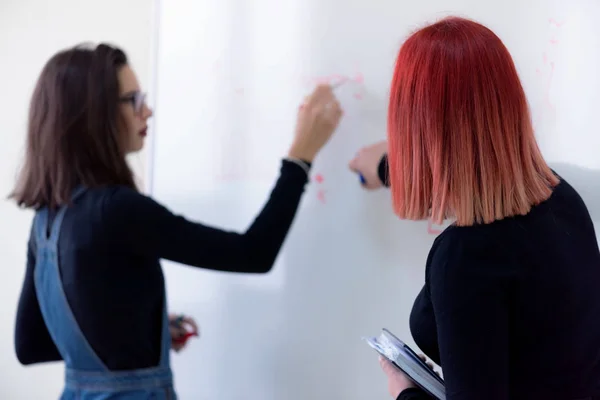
[(87, 378)]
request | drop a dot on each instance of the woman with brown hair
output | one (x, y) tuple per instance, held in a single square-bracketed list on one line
[(94, 293), (510, 307)]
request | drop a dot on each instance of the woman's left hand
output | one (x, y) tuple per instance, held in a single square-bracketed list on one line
[(181, 328), (397, 380)]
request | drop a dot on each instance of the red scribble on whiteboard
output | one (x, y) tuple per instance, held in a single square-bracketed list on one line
[(359, 78), (333, 79), (431, 230), (321, 196), (546, 71), (239, 91), (555, 22), (320, 193), (549, 69)]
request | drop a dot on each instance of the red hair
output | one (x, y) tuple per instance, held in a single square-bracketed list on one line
[(460, 137)]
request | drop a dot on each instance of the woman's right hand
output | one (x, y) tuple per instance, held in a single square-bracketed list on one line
[(366, 162), (317, 119)]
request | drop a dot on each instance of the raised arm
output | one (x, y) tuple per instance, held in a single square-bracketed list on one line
[(149, 229)]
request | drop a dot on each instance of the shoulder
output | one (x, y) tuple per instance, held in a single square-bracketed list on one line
[(471, 253), (468, 268), (452, 244), (567, 200), (121, 204), (119, 199)]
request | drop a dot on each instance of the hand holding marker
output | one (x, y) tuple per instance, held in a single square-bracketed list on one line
[(335, 86), (367, 163)]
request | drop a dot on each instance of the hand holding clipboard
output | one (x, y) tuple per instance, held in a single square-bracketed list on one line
[(399, 355)]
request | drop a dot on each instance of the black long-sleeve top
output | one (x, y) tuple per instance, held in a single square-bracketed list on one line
[(110, 245), (511, 309)]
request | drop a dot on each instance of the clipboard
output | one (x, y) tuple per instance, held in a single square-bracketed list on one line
[(405, 359)]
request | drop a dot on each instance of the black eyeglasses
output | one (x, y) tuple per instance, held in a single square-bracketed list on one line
[(137, 100)]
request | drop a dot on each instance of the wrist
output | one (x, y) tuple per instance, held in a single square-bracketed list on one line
[(383, 171), (409, 393), (297, 154), (304, 164)]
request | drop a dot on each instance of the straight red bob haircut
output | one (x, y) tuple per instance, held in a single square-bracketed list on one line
[(460, 136)]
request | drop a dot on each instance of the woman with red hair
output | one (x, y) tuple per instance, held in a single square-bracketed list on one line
[(510, 308)]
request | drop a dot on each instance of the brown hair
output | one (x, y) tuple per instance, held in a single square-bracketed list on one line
[(72, 135), (461, 142)]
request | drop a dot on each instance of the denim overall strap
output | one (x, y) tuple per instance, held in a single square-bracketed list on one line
[(165, 341), (87, 377), (55, 309), (154, 383)]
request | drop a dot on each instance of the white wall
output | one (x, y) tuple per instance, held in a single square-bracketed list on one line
[(30, 32)]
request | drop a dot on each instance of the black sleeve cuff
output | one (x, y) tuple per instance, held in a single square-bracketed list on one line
[(296, 167), (413, 394), (383, 171)]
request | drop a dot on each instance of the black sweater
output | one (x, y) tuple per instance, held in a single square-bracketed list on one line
[(110, 244), (511, 309)]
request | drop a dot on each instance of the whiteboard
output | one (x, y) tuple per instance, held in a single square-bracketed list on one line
[(230, 75)]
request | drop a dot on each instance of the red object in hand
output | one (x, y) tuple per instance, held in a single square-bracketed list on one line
[(179, 324), (183, 338)]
